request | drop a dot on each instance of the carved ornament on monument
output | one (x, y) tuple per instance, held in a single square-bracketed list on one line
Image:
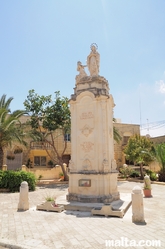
[(86, 164), (71, 166), (87, 146), (105, 166), (86, 130)]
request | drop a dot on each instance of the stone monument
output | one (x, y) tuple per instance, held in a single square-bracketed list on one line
[(93, 174)]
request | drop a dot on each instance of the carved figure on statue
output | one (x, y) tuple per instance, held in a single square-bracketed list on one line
[(81, 70), (93, 60)]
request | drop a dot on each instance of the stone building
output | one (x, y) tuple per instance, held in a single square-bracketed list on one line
[(35, 155)]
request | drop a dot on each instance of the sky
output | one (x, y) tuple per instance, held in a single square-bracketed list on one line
[(41, 42)]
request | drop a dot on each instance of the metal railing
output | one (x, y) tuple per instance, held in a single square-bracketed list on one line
[(40, 145)]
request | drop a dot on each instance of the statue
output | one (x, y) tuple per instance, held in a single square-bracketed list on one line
[(93, 60), (81, 70)]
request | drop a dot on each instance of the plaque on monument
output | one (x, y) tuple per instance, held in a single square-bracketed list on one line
[(84, 183)]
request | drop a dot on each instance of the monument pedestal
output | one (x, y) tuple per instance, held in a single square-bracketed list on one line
[(94, 188), (93, 174)]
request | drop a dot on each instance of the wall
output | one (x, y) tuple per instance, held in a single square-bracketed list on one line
[(46, 173)]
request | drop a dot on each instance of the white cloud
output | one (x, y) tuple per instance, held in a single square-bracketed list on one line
[(161, 86)]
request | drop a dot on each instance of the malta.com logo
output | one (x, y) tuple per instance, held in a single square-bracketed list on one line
[(125, 242)]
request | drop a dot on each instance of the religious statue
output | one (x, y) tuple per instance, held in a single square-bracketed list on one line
[(81, 70), (93, 60)]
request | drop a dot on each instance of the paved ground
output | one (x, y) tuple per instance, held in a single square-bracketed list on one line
[(71, 229)]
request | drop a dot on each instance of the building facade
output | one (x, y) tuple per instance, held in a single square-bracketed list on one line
[(36, 156)]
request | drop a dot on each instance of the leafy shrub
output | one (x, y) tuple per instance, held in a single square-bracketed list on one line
[(148, 172), (134, 174), (13, 179), (126, 171), (152, 174)]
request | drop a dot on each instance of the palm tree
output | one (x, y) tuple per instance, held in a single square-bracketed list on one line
[(116, 134), (5, 103), (10, 129)]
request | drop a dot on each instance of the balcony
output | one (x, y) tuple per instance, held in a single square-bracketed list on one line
[(40, 146)]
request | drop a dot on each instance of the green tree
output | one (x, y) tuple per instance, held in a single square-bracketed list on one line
[(11, 129), (139, 150), (160, 156), (51, 115)]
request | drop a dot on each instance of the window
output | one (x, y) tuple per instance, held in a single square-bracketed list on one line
[(40, 161), (125, 140), (67, 137)]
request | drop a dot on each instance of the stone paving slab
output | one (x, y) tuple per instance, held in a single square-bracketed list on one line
[(73, 229)]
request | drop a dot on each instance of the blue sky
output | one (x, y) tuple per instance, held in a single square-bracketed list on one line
[(41, 42)]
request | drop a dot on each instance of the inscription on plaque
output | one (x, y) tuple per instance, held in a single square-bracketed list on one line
[(86, 115)]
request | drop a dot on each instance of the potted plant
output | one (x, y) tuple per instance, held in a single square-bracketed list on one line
[(29, 163), (51, 164), (61, 175), (18, 150), (50, 205), (147, 186), (10, 156)]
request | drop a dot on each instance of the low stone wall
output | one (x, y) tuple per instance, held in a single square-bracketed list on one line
[(46, 173)]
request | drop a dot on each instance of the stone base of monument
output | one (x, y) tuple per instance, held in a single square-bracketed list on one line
[(92, 198), (49, 206), (116, 208), (108, 210)]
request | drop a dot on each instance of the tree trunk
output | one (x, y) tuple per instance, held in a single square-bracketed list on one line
[(1, 157), (66, 178), (141, 171)]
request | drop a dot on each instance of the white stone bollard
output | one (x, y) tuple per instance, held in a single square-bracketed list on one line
[(23, 167), (137, 205), (23, 197), (4, 167)]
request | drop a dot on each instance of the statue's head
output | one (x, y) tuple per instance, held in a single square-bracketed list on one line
[(94, 47)]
